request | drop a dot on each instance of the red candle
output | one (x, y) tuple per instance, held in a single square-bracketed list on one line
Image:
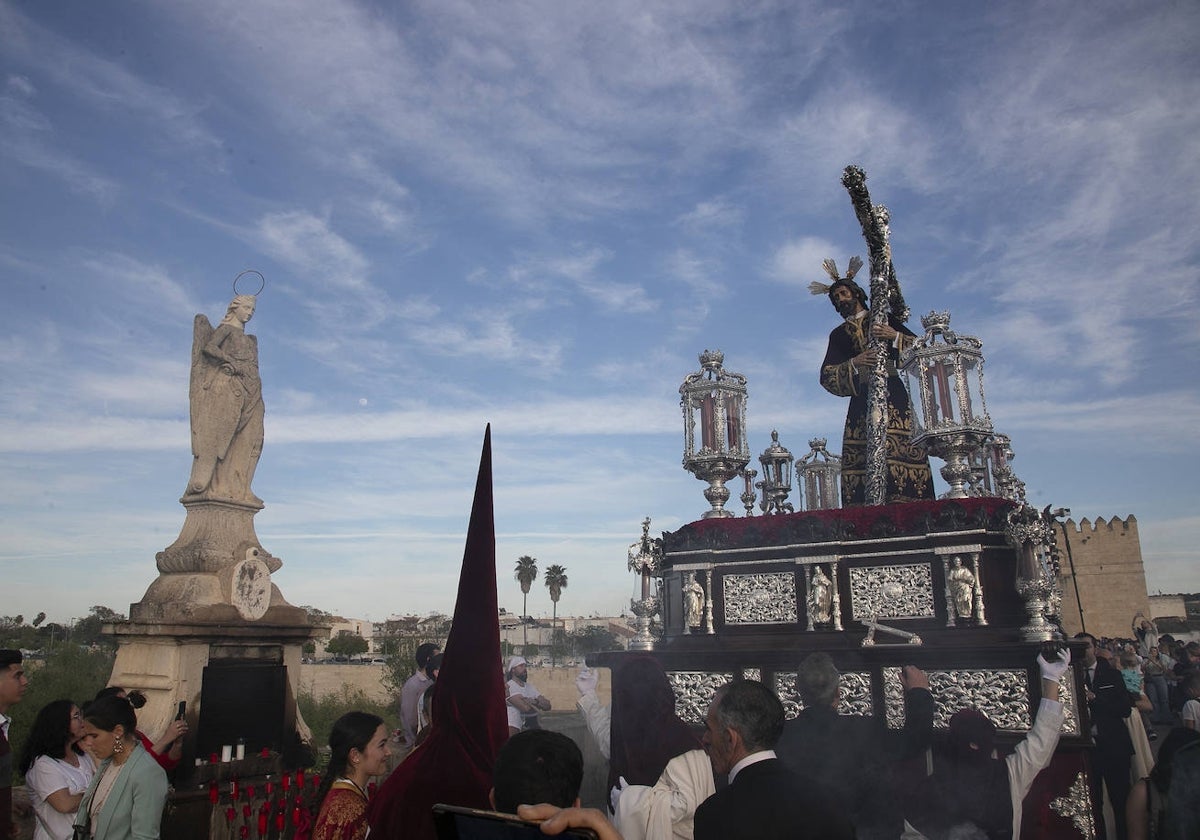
[(262, 824), (214, 795), (287, 781), (270, 787), (244, 832), (279, 820), (229, 814), (249, 791), (266, 752), (247, 811), (296, 813), (212, 758), (300, 777)]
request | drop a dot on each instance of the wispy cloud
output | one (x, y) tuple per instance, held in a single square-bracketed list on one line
[(798, 261), (104, 85)]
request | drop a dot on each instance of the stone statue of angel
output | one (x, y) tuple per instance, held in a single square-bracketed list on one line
[(226, 407)]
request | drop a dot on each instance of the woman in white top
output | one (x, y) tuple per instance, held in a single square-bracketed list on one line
[(57, 771)]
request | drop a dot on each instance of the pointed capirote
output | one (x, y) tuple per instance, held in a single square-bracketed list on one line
[(454, 763)]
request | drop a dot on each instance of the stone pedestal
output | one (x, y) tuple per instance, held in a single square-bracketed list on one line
[(214, 615), (168, 662)]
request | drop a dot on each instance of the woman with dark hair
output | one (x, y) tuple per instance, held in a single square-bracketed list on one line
[(658, 771), (1146, 809), (168, 749), (358, 750), (126, 796), (57, 771)]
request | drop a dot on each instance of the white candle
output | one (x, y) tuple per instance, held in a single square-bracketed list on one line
[(227, 752), (241, 750)]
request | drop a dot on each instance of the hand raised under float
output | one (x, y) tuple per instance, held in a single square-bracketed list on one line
[(587, 681), (1054, 671)]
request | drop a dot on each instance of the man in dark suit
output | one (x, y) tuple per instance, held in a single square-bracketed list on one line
[(764, 800), (1109, 705), (854, 760)]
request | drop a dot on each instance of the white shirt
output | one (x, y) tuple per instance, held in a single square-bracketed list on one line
[(515, 689), (753, 758), (46, 776)]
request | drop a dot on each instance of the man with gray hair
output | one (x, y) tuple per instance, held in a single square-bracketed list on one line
[(764, 800), (851, 759)]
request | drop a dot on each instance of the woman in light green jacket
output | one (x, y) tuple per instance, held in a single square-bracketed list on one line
[(125, 799)]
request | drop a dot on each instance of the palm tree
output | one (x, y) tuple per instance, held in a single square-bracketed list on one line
[(556, 582), (526, 574)]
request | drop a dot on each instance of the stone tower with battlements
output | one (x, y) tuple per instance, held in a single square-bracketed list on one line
[(1110, 575)]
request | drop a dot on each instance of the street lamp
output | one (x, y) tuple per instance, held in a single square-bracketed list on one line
[(946, 371), (719, 398)]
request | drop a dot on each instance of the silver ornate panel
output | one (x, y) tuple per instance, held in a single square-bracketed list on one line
[(1002, 694), (694, 692), (789, 696), (856, 693), (904, 591), (1076, 805), (752, 674), (1066, 695), (767, 598)]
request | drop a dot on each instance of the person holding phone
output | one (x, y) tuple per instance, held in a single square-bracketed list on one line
[(358, 750)]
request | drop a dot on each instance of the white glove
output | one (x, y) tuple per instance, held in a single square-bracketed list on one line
[(587, 681), (615, 794), (1053, 671)]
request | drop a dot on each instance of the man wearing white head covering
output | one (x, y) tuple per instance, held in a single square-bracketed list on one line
[(524, 701)]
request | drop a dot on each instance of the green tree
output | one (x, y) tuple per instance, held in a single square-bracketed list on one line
[(587, 640), (87, 631), (556, 582), (347, 644), (526, 574)]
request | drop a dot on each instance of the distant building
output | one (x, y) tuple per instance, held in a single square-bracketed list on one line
[(1177, 615)]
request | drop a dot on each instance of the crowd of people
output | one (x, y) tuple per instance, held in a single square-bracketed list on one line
[(1133, 686), (89, 771), (92, 773)]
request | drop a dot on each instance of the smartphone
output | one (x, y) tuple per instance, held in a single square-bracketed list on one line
[(455, 823), (179, 715)]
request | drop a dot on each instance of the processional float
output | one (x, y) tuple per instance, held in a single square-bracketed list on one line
[(965, 587)]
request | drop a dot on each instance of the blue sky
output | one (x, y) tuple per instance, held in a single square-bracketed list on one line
[(537, 215)]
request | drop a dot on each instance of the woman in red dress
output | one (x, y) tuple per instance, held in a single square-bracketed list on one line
[(358, 750)]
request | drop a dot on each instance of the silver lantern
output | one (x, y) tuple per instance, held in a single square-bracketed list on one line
[(819, 474), (945, 370), (776, 462), (714, 400)]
